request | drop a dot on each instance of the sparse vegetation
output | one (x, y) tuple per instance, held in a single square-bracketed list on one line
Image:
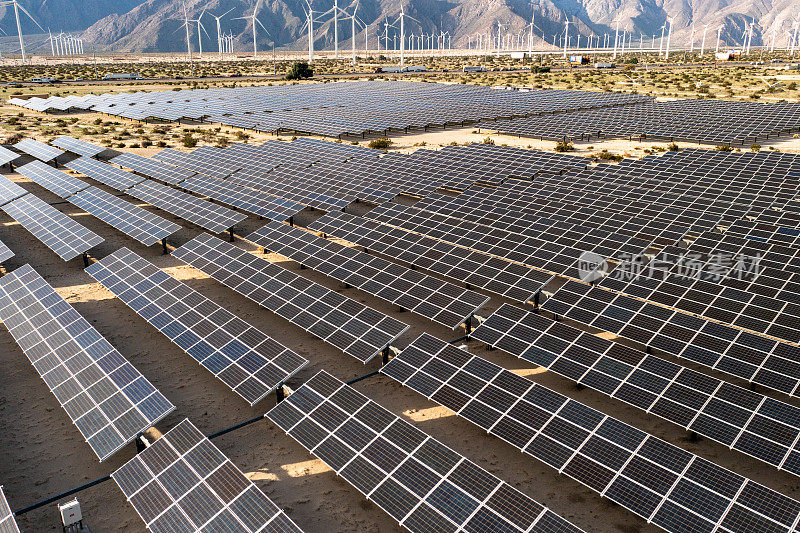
[(564, 146), (382, 143)]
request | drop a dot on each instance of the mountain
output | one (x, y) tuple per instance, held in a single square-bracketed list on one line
[(156, 25), (62, 15)]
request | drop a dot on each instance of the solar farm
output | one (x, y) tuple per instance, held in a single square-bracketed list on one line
[(300, 335)]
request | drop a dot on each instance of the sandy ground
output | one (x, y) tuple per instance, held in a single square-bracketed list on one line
[(44, 454)]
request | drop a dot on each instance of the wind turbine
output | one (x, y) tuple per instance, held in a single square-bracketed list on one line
[(719, 34), (703, 46), (336, 10), (255, 21), (188, 40), (401, 18), (499, 37), (353, 19), (566, 34), (616, 36), (17, 7), (199, 35), (669, 36), (310, 25), (219, 31)]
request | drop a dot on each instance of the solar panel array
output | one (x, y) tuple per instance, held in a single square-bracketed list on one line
[(39, 150), (205, 160), (335, 109), (10, 191), (242, 357), (418, 481), (152, 168), (758, 359), (55, 181), (255, 202), (104, 173), (352, 327), (7, 522), (182, 482), (7, 156), (496, 275), (658, 481), (76, 146), (751, 423), (534, 252), (688, 120), (107, 399), (56, 230), (145, 227), (419, 293), (207, 215)]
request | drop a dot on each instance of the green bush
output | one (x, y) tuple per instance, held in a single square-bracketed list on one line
[(605, 155), (300, 70), (564, 146), (723, 148), (380, 144), (488, 140), (673, 147), (189, 141), (755, 147)]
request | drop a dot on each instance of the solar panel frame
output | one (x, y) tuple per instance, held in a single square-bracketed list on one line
[(67, 238), (380, 454), (249, 362), (144, 226), (354, 328), (756, 425), (77, 146), (7, 522), (249, 200), (511, 280), (5, 252), (439, 301), (152, 168), (7, 156), (59, 183), (10, 191), (608, 456), (104, 173), (205, 214), (183, 482), (106, 397), (716, 345), (39, 150)]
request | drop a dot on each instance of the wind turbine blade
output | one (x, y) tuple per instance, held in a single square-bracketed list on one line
[(203, 28), (228, 11), (29, 15), (263, 28)]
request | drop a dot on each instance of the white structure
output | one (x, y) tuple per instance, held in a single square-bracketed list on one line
[(253, 18), (219, 31), (17, 7)]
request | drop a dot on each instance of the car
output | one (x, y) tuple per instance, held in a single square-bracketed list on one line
[(235, 75)]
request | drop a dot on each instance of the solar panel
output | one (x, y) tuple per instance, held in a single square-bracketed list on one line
[(535, 252), (249, 362), (658, 481), (108, 400), (437, 300), (352, 327), (255, 202), (39, 150), (56, 230), (7, 522), (512, 280), (55, 181), (7, 156), (144, 226), (205, 160), (104, 173), (152, 168), (76, 146), (182, 482), (207, 215), (10, 191), (754, 358), (740, 419), (5, 252), (418, 481)]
